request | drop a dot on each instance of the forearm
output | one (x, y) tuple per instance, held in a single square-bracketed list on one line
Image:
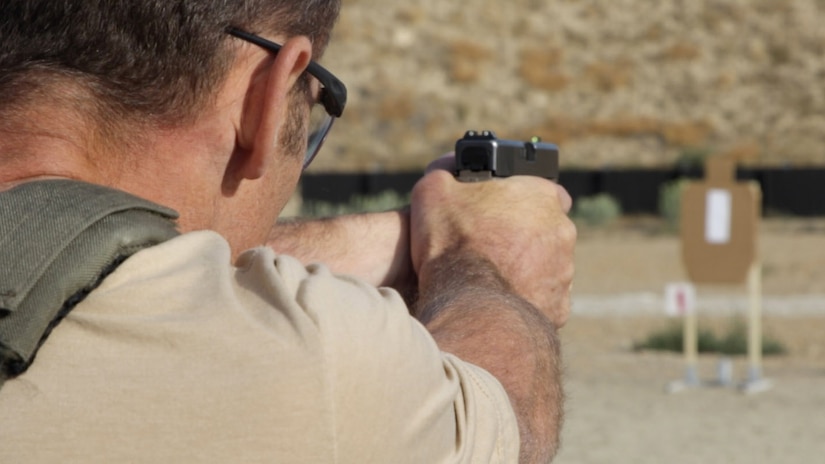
[(374, 246), (473, 313)]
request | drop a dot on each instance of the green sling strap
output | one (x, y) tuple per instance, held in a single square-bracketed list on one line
[(58, 240)]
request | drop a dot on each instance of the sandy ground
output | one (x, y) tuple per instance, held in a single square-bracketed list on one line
[(618, 410)]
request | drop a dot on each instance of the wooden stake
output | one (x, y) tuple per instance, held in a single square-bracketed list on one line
[(691, 348), (754, 381)]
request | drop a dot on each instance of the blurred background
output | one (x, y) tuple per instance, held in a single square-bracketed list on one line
[(628, 83), (638, 94)]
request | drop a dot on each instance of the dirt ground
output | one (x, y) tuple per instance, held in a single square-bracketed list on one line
[(618, 408)]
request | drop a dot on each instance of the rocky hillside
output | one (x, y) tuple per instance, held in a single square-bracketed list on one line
[(614, 83)]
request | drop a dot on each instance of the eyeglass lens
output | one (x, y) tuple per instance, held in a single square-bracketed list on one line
[(320, 123)]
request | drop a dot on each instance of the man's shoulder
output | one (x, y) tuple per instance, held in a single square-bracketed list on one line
[(270, 347), (194, 270)]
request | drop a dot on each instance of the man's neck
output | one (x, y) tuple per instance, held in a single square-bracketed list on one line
[(42, 157)]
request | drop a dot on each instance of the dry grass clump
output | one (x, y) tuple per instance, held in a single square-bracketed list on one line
[(411, 14), (541, 68), (744, 151), (681, 51), (716, 15), (610, 76), (400, 106), (686, 134), (467, 59)]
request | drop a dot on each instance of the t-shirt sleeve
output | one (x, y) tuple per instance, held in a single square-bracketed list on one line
[(396, 397)]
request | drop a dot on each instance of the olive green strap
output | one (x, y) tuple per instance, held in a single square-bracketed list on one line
[(58, 240)]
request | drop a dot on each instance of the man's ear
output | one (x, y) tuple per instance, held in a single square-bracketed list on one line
[(267, 104)]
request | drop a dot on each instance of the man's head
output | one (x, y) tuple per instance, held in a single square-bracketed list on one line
[(153, 61), (114, 89)]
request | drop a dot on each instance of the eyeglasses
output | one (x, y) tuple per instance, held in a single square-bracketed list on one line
[(331, 100)]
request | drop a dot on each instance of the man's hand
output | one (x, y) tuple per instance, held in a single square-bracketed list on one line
[(518, 223), (494, 261)]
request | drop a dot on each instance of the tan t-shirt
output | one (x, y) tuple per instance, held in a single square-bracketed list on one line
[(179, 357)]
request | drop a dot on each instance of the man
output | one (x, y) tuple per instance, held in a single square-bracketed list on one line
[(194, 350)]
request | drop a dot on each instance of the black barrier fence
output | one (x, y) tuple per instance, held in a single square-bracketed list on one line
[(793, 191)]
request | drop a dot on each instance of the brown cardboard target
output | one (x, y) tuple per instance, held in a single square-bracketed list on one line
[(719, 224)]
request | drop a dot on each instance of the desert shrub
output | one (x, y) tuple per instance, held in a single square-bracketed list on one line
[(693, 157), (734, 341), (670, 202), (597, 210), (671, 338)]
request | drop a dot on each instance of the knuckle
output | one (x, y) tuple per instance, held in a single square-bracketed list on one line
[(567, 231)]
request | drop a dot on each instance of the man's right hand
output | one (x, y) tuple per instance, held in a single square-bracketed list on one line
[(494, 261), (519, 224)]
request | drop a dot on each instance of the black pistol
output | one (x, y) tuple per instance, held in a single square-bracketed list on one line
[(482, 156)]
